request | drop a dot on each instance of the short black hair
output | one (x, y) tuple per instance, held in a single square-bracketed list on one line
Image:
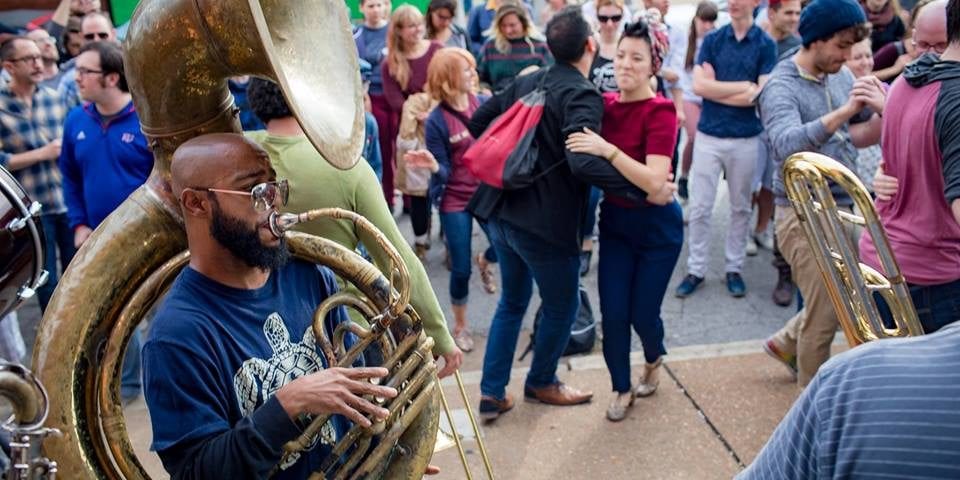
[(111, 60), (8, 48), (953, 21), (567, 34), (638, 29), (266, 100)]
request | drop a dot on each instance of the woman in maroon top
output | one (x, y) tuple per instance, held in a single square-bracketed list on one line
[(639, 243), (452, 80), (404, 73)]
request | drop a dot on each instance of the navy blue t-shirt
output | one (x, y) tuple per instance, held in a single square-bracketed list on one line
[(735, 60), (214, 359)]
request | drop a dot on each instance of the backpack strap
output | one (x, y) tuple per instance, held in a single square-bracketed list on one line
[(458, 115)]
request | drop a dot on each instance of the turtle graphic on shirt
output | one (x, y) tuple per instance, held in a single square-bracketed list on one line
[(258, 379)]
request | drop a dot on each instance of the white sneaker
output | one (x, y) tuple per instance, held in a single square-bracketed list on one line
[(751, 246), (764, 240)]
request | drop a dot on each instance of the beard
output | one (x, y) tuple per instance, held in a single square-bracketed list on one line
[(244, 243)]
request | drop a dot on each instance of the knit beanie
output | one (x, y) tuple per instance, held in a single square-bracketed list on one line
[(822, 18)]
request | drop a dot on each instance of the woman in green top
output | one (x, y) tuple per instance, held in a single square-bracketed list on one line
[(514, 45), (314, 183)]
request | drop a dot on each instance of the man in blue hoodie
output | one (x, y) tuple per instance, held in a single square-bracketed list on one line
[(104, 158)]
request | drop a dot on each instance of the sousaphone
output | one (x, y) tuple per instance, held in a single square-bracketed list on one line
[(178, 57)]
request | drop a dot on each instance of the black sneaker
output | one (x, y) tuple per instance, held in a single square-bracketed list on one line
[(491, 408), (689, 284)]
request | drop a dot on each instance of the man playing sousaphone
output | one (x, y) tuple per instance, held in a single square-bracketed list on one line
[(231, 363)]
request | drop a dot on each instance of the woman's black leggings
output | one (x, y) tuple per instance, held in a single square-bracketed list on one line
[(420, 215)]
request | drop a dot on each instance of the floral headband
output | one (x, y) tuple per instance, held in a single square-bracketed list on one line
[(659, 40)]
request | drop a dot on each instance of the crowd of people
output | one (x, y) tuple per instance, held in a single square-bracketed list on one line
[(642, 120)]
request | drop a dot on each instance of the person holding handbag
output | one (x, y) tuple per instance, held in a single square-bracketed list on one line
[(412, 180), (640, 242), (536, 226), (452, 81)]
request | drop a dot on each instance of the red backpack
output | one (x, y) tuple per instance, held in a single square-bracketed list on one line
[(505, 156)]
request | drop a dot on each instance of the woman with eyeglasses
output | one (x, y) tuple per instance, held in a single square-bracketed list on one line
[(440, 26), (515, 45), (639, 242)]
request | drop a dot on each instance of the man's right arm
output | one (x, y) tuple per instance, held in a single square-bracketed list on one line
[(192, 433), (780, 113), (490, 110)]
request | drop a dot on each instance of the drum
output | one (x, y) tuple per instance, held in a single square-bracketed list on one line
[(21, 245)]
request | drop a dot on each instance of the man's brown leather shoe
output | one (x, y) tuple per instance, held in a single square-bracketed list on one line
[(556, 394)]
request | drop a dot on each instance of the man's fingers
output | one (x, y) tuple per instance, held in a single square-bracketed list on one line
[(367, 388), (363, 405), (347, 411)]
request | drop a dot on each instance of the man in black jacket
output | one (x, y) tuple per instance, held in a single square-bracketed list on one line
[(536, 230)]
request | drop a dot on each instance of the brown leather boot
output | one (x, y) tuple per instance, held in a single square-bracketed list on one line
[(556, 394)]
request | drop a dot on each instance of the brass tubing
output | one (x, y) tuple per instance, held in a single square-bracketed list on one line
[(398, 428), (475, 426), (108, 384), (22, 396), (453, 432), (355, 458), (352, 436), (850, 284), (306, 438), (402, 283)]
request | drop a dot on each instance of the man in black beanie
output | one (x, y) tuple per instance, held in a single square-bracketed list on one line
[(813, 103)]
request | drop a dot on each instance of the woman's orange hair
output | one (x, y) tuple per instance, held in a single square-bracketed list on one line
[(445, 73)]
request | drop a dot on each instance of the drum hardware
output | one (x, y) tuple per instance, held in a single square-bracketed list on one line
[(20, 222), (27, 293)]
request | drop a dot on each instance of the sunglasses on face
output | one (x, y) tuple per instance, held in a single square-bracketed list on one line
[(264, 195), (91, 36), (609, 18)]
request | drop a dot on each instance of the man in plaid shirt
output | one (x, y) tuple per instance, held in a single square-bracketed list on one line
[(31, 124)]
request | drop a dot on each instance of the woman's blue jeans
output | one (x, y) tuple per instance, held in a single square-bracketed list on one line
[(458, 232), (639, 248)]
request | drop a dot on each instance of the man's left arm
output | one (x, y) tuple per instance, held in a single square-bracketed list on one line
[(947, 126)]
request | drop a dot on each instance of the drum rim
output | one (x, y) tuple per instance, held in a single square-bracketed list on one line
[(38, 271)]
